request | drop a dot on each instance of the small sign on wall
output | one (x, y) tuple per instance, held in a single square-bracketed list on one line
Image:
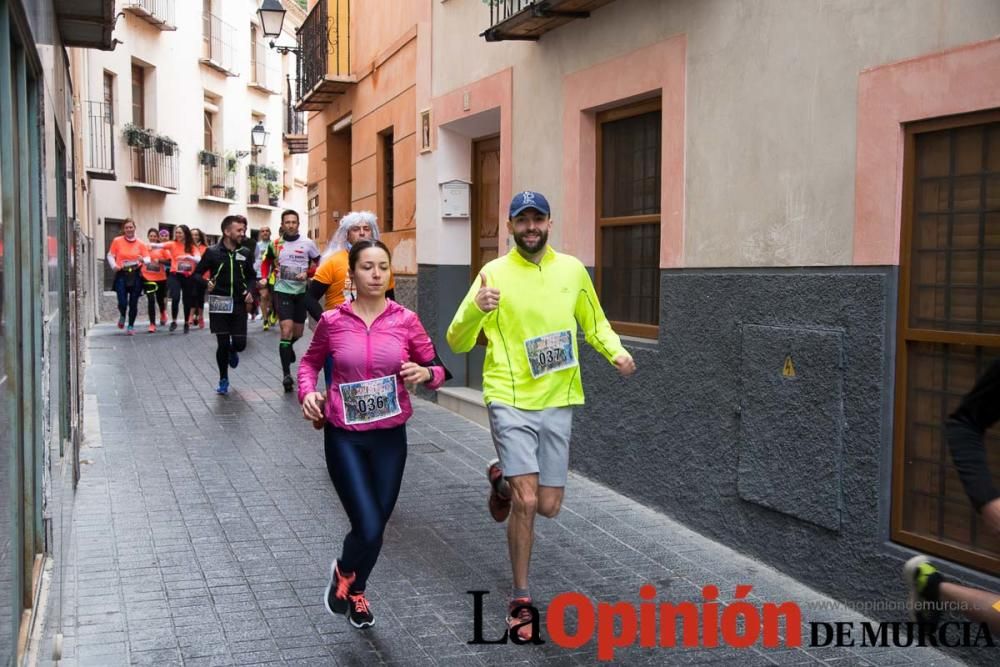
[(455, 199)]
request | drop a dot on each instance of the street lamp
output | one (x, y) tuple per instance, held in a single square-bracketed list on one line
[(258, 136), (272, 15)]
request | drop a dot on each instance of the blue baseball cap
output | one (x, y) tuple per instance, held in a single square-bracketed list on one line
[(522, 201)]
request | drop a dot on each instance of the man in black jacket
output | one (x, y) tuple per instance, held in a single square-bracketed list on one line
[(965, 430), (231, 272)]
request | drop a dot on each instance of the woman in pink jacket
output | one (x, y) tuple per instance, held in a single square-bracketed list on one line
[(378, 347)]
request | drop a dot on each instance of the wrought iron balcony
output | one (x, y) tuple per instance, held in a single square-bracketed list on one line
[(154, 164), (218, 177), (263, 75), (325, 55), (100, 138), (530, 19), (158, 13), (295, 133), (218, 50)]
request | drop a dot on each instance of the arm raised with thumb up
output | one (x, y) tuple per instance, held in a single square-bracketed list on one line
[(488, 298)]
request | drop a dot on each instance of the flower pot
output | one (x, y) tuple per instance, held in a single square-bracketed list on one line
[(230, 193), (272, 201), (254, 199), (218, 190)]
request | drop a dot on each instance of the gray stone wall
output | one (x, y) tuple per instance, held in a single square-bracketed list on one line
[(406, 291)]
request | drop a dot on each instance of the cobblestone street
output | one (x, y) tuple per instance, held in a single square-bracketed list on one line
[(204, 526)]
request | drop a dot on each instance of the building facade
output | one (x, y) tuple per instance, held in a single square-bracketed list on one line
[(41, 324), (359, 85), (169, 116), (790, 210)]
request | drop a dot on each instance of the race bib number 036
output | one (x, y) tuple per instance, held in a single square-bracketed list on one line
[(549, 353), (370, 400)]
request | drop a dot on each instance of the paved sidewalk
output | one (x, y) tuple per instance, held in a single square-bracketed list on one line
[(204, 528)]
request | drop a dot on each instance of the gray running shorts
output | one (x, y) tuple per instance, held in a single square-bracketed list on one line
[(532, 441)]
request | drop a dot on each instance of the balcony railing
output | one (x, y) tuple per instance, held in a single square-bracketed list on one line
[(218, 176), (295, 125), (530, 19), (155, 167), (218, 49), (158, 13), (263, 186), (100, 141), (325, 60), (263, 76)]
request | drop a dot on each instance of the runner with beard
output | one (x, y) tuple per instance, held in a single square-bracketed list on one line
[(529, 303)]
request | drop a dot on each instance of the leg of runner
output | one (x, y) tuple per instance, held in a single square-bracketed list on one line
[(161, 300), (135, 293), (222, 352), (187, 289), (366, 468), (150, 288), (122, 292), (174, 286)]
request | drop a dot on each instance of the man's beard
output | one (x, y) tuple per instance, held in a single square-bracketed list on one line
[(543, 238)]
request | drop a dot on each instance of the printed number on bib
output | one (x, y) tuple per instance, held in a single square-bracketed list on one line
[(185, 266), (154, 267), (549, 353), (130, 264), (370, 400), (220, 304)]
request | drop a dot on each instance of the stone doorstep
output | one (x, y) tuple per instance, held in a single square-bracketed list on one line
[(465, 402)]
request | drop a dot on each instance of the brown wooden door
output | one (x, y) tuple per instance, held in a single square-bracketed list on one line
[(485, 202)]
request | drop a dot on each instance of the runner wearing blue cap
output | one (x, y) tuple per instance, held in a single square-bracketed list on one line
[(529, 304)]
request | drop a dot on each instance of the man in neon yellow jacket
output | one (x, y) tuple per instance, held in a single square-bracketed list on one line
[(529, 303)]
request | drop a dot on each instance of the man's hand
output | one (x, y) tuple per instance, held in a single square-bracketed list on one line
[(991, 515), (414, 373), (625, 365), (211, 285), (488, 298), (312, 406), (262, 283), (301, 276)]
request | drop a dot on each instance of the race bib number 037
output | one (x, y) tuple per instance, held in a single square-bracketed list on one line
[(370, 400), (549, 353)]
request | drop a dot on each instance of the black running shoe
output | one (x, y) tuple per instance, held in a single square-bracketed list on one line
[(335, 597), (287, 383), (186, 327), (234, 359), (360, 615), (173, 326)]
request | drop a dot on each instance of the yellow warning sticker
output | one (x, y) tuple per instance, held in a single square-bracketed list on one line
[(996, 605), (789, 370)]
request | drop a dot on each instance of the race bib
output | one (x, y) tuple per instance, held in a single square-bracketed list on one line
[(549, 353), (290, 273), (185, 266), (130, 264), (154, 267), (370, 400), (220, 304)]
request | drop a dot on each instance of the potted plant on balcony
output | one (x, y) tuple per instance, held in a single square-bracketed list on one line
[(231, 162), (136, 136), (255, 182), (208, 158), (218, 190), (164, 145), (252, 169), (231, 193), (273, 192), (271, 174)]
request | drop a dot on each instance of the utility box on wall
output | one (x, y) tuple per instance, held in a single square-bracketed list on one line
[(455, 199), (792, 421)]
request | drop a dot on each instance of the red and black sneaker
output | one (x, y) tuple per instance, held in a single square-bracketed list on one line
[(519, 617), (335, 597), (499, 502), (360, 615)]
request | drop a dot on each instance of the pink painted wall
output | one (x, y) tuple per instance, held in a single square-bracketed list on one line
[(492, 92), (951, 82), (659, 67)]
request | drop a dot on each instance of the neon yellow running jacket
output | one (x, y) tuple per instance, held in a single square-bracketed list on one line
[(532, 360)]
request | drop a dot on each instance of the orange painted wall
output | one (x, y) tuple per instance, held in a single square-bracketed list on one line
[(384, 58)]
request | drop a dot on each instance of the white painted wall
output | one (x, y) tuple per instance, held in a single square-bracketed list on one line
[(175, 89)]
